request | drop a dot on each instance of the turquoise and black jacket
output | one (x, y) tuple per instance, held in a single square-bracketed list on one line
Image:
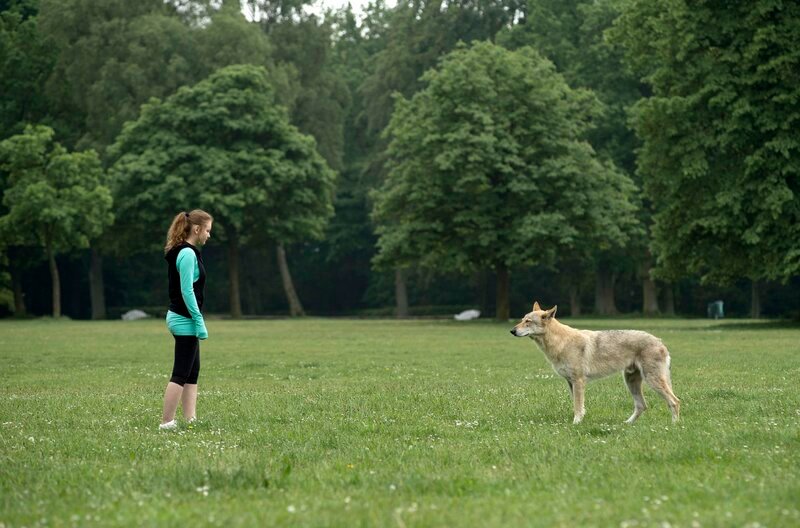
[(187, 280)]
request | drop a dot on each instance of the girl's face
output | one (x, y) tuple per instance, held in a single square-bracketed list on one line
[(203, 233)]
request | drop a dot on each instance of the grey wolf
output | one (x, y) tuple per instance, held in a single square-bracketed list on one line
[(583, 355)]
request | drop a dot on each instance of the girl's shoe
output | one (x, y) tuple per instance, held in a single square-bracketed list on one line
[(169, 426)]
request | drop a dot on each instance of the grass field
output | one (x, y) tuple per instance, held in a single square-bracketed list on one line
[(392, 423)]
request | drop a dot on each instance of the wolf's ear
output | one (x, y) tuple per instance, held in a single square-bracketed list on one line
[(551, 312), (535, 306)]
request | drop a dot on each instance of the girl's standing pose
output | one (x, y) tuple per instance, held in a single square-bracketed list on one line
[(187, 278)]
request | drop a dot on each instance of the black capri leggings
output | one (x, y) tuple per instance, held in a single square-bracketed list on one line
[(187, 360)]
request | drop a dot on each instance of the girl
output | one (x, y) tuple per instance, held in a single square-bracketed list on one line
[(187, 278)]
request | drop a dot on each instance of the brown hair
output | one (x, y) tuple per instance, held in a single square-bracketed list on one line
[(182, 224)]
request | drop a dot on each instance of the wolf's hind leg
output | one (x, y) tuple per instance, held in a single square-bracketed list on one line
[(633, 379), (659, 379)]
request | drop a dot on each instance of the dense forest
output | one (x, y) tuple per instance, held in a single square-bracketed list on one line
[(608, 156)]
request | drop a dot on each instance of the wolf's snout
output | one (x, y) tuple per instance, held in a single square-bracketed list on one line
[(513, 331)]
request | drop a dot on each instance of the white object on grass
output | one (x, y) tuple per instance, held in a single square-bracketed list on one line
[(466, 315), (133, 315)]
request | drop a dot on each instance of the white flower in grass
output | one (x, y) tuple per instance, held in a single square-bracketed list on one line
[(291, 508)]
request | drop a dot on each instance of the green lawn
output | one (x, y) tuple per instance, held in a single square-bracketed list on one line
[(389, 423)]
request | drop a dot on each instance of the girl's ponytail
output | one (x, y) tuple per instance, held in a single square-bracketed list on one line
[(182, 225)]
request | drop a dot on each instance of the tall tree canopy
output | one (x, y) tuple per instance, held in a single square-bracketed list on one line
[(55, 199), (321, 95), (411, 38), (488, 169), (224, 145), (571, 33), (27, 57), (721, 154), (115, 56)]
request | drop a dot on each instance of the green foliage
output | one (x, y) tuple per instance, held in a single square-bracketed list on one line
[(226, 146), (321, 94), (418, 35), (349, 234), (115, 57), (571, 34), (55, 199), (721, 156), (488, 168), (26, 60)]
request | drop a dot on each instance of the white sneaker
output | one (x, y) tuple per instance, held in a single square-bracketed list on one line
[(193, 419), (169, 426)]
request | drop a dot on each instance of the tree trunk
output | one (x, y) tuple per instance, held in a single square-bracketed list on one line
[(16, 287), (669, 299), (233, 277), (604, 303), (96, 286), (649, 290), (51, 258), (755, 300), (649, 297), (502, 311), (574, 300), (295, 308), (400, 293)]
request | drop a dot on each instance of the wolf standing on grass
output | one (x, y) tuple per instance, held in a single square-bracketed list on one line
[(187, 279), (583, 355)]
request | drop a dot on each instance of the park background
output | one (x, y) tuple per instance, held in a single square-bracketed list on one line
[(629, 160), (611, 157)]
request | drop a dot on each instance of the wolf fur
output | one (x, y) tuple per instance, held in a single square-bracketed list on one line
[(583, 355)]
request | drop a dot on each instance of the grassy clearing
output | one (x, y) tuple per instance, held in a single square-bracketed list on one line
[(381, 423)]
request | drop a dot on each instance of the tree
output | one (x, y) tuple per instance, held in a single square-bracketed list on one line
[(320, 94), (488, 169), (27, 57), (720, 156), (571, 33), (55, 199), (115, 58), (226, 146), (411, 38)]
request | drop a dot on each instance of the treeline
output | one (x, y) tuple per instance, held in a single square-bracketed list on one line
[(609, 156)]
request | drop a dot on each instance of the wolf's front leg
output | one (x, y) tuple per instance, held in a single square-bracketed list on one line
[(578, 386)]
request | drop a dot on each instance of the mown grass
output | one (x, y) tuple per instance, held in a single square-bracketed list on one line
[(390, 423)]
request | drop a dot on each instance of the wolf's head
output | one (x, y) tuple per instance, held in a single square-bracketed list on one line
[(535, 323)]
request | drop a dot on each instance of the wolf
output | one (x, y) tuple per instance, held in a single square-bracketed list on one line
[(583, 355)]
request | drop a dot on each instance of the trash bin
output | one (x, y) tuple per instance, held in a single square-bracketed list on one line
[(715, 310)]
